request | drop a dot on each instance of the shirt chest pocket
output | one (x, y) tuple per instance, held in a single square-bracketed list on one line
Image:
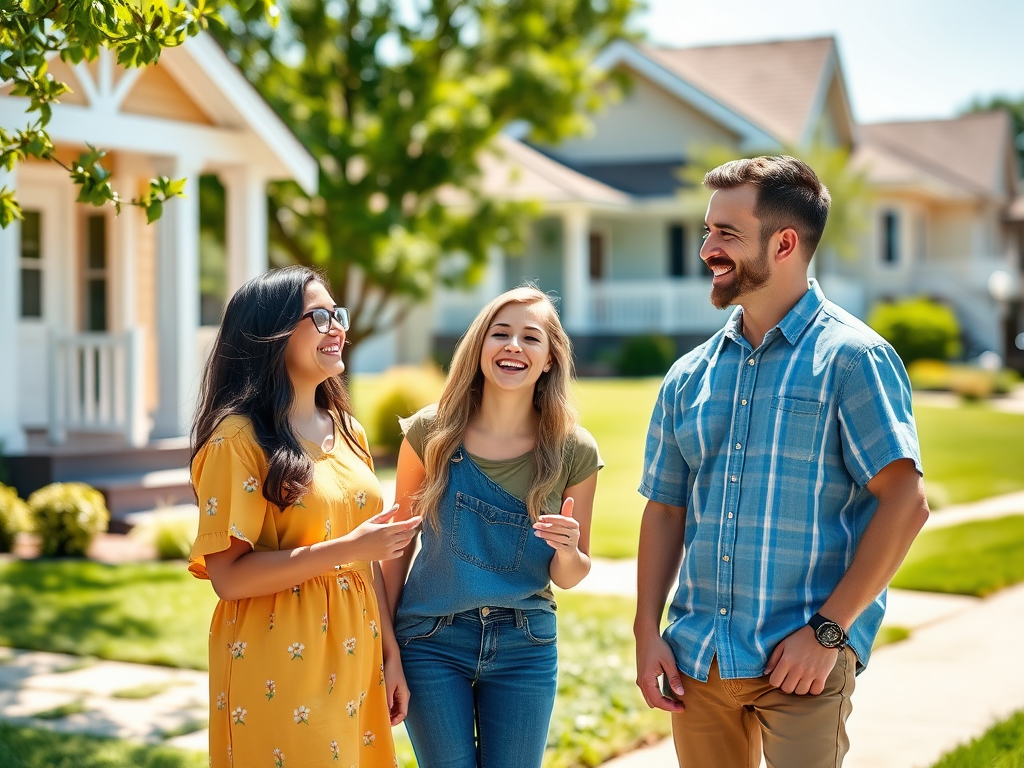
[(796, 424), (487, 536)]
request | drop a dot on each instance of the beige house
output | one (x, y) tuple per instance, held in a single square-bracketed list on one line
[(99, 316), (619, 242)]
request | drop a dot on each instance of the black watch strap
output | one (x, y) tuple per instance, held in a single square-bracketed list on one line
[(828, 633)]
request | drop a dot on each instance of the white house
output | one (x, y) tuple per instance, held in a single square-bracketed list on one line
[(99, 315), (619, 243)]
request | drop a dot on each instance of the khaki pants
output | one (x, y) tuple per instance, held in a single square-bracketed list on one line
[(727, 723)]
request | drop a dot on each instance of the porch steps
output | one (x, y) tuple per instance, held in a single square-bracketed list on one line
[(142, 491), (131, 479)]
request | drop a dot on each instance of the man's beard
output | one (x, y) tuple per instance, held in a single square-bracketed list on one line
[(746, 278)]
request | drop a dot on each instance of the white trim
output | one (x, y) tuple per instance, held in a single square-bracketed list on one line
[(12, 435), (751, 135), (829, 74), (575, 271), (206, 59)]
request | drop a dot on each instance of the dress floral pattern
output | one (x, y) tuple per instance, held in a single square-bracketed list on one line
[(295, 676)]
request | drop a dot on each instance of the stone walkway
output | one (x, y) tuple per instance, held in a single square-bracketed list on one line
[(960, 671)]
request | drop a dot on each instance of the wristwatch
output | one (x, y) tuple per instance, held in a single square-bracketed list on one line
[(828, 633)]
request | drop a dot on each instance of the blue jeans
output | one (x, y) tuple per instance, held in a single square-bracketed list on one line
[(482, 686)]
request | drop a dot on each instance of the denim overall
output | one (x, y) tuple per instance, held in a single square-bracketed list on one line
[(478, 641)]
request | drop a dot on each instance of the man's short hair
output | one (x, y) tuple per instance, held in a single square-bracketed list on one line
[(789, 194)]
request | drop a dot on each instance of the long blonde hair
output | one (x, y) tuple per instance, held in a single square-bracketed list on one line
[(460, 402)]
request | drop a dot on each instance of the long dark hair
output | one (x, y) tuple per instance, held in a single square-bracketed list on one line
[(246, 376)]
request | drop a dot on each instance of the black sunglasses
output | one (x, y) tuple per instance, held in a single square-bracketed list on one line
[(322, 318)]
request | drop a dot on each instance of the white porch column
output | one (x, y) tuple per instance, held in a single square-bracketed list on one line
[(12, 436), (494, 281), (575, 269), (246, 226), (177, 307)]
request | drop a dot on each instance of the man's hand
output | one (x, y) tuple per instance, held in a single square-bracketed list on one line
[(800, 664), (653, 659)]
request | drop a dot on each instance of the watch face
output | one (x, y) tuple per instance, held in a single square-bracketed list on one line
[(829, 634)]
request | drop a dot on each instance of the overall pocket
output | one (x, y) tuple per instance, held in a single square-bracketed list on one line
[(489, 537)]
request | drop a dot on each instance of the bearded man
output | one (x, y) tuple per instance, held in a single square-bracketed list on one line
[(783, 474)]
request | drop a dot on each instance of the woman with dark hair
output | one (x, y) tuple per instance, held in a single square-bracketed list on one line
[(304, 668), (505, 477)]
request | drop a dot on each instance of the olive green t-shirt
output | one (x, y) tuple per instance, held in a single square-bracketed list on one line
[(580, 460)]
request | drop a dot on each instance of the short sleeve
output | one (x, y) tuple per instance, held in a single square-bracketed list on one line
[(416, 427), (666, 475), (228, 474), (876, 416), (585, 460)]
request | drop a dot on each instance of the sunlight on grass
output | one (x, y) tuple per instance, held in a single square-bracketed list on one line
[(1002, 746), (976, 558), (39, 748), (152, 613)]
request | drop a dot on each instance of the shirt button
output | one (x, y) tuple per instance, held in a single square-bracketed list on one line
[(485, 611), (750, 361), (743, 401), (726, 558), (722, 611), (730, 515), (738, 446), (732, 479)]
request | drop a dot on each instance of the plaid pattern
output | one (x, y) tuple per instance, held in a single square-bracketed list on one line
[(770, 450)]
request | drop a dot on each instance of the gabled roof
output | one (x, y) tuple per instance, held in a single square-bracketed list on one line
[(512, 170), (193, 104), (972, 154), (780, 85)]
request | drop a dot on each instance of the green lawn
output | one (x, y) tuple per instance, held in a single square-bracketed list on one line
[(971, 452), (37, 748), (976, 558), (154, 613), (1002, 746)]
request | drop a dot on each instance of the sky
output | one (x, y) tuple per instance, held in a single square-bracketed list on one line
[(901, 59)]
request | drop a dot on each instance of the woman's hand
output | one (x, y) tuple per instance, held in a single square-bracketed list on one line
[(397, 689), (381, 539), (561, 532)]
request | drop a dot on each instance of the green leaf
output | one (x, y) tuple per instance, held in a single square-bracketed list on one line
[(9, 208), (154, 210)]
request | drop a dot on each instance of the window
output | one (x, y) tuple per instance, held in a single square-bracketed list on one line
[(95, 274), (890, 238), (31, 264), (597, 250), (677, 250)]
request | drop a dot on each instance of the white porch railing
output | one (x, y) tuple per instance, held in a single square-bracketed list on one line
[(653, 306), (96, 386), (614, 307)]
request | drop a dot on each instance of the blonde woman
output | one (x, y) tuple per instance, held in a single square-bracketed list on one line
[(504, 477)]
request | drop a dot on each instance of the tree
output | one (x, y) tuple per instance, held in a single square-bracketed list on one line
[(397, 101), (32, 31), (1016, 109)]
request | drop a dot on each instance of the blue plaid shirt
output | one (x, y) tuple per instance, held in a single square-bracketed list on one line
[(770, 451)]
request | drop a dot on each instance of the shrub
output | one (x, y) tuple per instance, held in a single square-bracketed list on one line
[(917, 328), (972, 383), (932, 375), (67, 516), (402, 391), (171, 534), (14, 517), (647, 355)]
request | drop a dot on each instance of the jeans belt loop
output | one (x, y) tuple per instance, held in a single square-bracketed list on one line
[(449, 619), (519, 618)]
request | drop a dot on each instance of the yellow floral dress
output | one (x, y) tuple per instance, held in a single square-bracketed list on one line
[(296, 678)]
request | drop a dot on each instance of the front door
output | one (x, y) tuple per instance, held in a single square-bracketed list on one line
[(47, 270)]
